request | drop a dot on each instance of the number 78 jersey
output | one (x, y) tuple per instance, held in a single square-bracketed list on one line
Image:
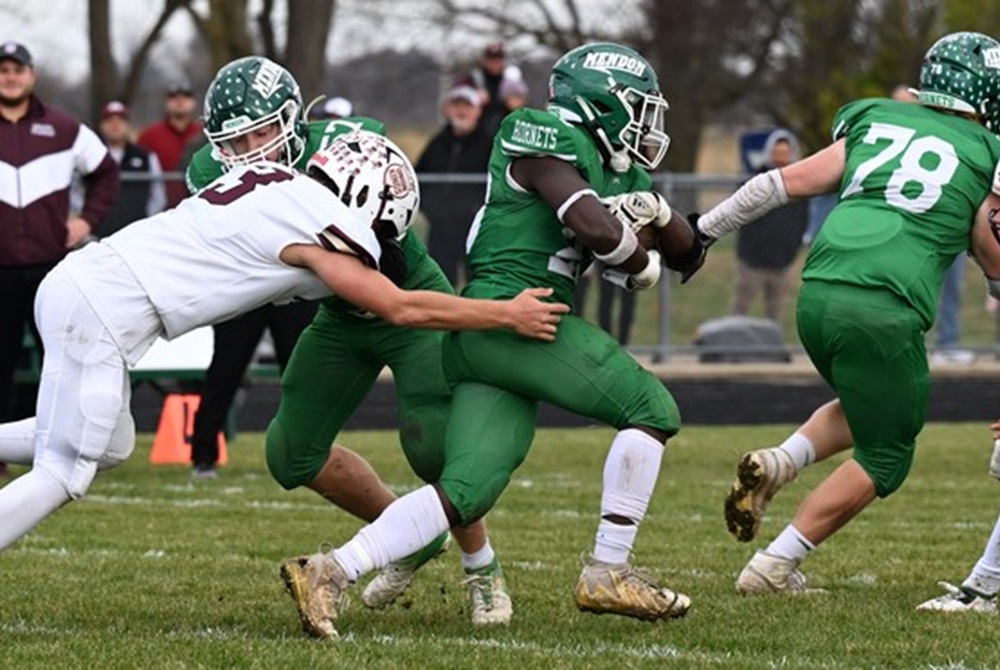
[(913, 181)]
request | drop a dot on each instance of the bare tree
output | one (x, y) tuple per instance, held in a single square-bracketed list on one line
[(225, 30), (309, 23), (106, 82)]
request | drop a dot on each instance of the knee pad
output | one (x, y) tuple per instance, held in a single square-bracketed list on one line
[(292, 465), (122, 444), (75, 476)]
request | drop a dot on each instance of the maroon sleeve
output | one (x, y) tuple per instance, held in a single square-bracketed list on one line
[(102, 186)]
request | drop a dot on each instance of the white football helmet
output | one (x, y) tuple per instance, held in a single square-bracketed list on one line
[(371, 175)]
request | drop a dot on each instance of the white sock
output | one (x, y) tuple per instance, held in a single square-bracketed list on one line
[(801, 450), (985, 576), (17, 441), (408, 524), (790, 544), (478, 559), (27, 500), (630, 473)]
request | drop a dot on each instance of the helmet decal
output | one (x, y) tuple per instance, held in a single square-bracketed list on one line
[(372, 176), (612, 92), (961, 73), (250, 94)]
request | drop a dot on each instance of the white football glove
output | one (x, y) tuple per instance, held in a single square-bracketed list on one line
[(640, 281), (638, 209), (995, 459)]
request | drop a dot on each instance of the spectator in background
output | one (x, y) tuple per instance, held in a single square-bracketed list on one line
[(143, 194), (765, 251), (514, 93), (332, 109), (41, 148), (491, 72), (168, 138), (460, 147), (608, 293)]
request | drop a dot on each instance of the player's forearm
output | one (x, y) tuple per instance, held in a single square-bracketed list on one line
[(440, 311), (751, 201)]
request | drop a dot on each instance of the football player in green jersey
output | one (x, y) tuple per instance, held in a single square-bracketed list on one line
[(543, 216), (254, 112), (917, 185)]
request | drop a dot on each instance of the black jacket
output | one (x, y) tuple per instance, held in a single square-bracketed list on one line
[(450, 207)]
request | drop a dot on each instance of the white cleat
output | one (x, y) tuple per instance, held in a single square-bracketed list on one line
[(395, 578), (959, 600), (491, 604), (766, 574)]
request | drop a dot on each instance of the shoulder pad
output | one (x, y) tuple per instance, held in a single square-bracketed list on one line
[(848, 115), (322, 133), (534, 132), (202, 170)]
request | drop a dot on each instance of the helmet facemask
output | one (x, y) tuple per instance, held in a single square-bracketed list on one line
[(613, 93), (288, 145), (643, 137)]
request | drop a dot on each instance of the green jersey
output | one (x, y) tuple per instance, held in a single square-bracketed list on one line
[(913, 181), (205, 168), (517, 241)]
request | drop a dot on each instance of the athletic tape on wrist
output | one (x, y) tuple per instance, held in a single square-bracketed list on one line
[(649, 275)]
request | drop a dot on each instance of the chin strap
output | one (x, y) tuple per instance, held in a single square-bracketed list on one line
[(617, 160)]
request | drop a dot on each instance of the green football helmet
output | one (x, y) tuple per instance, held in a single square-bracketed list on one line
[(251, 93), (961, 73), (612, 92)]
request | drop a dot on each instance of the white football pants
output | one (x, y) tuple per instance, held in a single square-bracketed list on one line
[(82, 420)]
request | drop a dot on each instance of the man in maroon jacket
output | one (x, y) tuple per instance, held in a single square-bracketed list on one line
[(40, 150), (170, 136)]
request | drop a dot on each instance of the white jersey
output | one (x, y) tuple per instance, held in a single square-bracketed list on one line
[(216, 255)]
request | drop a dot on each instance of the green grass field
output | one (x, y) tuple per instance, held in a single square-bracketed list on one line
[(152, 571)]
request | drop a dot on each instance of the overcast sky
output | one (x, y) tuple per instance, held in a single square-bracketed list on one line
[(55, 31)]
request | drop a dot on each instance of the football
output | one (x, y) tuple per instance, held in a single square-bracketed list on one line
[(648, 237)]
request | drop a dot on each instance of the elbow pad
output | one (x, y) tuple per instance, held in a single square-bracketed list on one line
[(751, 201)]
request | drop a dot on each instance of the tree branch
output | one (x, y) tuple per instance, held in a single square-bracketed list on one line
[(137, 63)]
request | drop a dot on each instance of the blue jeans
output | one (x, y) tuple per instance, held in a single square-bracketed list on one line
[(950, 304)]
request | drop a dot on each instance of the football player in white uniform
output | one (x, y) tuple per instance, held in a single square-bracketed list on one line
[(260, 234)]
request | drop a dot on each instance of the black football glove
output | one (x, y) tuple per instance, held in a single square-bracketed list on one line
[(691, 261)]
